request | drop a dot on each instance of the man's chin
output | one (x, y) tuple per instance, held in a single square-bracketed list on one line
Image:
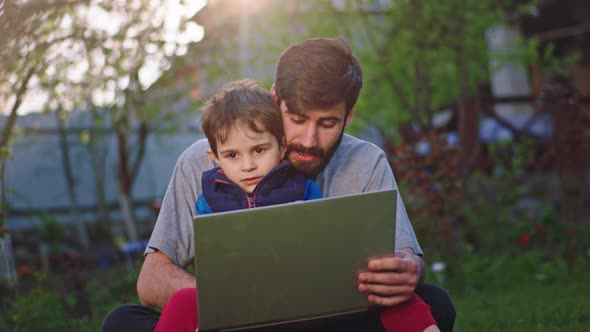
[(309, 169)]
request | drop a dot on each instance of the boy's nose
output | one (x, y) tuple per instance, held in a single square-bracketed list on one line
[(248, 164)]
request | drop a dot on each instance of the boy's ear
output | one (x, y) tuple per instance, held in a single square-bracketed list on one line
[(273, 93), (349, 117), (213, 156)]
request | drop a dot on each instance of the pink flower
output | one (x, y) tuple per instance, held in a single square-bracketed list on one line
[(524, 240)]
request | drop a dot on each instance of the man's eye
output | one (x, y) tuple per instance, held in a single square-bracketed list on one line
[(298, 119), (328, 124)]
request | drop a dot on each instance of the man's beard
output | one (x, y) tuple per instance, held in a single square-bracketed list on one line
[(311, 169)]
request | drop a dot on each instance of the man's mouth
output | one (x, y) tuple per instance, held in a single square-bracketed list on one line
[(305, 156)]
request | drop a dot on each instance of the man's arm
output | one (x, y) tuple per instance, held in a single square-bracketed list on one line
[(159, 278), (171, 245), (392, 280)]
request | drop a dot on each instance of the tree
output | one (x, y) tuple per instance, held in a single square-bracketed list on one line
[(418, 56), (26, 38), (79, 62)]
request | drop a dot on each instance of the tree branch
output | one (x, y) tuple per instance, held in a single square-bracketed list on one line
[(380, 51), (9, 125)]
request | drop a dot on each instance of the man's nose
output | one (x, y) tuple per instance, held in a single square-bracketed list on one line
[(248, 164), (309, 137)]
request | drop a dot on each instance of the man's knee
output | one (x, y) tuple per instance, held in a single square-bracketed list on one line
[(115, 318), (130, 317), (440, 304)]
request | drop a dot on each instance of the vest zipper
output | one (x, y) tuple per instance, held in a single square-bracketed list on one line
[(250, 199)]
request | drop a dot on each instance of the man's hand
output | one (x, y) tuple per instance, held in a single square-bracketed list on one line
[(391, 280)]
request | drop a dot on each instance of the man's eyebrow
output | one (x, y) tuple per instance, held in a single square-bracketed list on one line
[(333, 118), (296, 112)]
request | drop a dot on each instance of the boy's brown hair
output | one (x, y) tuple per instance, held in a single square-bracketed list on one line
[(244, 100), (319, 72)]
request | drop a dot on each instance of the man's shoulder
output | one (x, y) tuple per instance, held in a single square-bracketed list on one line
[(196, 155), (352, 148), (354, 154)]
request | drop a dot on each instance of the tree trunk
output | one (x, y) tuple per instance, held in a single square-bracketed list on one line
[(71, 183), (7, 267), (125, 182), (98, 152), (128, 219)]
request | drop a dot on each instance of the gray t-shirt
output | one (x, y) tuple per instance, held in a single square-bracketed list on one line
[(356, 166)]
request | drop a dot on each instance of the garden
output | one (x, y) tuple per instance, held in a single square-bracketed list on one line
[(482, 109)]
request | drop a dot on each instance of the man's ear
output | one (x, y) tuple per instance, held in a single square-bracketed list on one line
[(273, 93), (349, 117), (213, 156)]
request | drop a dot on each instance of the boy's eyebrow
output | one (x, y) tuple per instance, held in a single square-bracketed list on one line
[(226, 151), (262, 145)]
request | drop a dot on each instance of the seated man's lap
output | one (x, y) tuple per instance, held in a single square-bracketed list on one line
[(139, 318)]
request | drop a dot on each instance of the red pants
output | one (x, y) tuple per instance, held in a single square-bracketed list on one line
[(180, 314)]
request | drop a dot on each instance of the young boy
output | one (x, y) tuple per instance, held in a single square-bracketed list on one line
[(244, 128), (245, 132)]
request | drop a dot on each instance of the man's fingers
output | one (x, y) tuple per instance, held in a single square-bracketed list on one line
[(386, 290), (387, 301), (386, 278), (395, 264)]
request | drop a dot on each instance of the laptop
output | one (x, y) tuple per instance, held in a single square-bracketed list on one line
[(291, 262)]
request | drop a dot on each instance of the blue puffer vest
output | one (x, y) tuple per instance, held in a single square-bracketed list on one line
[(281, 185)]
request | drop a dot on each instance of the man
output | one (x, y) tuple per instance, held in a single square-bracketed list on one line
[(317, 84)]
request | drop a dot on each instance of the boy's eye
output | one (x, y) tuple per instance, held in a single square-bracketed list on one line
[(231, 155), (259, 150)]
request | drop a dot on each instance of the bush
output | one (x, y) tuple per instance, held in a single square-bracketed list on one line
[(46, 308)]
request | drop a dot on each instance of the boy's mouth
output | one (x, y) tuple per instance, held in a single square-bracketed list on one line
[(251, 181)]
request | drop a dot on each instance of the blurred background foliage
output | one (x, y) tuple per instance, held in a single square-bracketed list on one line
[(493, 215)]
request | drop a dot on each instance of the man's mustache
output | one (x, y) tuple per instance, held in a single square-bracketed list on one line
[(315, 151)]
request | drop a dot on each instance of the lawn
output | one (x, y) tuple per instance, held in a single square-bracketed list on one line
[(559, 305), (490, 294)]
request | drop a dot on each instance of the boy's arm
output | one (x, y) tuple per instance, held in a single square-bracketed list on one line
[(312, 191)]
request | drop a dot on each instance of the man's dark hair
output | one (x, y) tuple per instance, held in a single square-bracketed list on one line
[(320, 72), (246, 101)]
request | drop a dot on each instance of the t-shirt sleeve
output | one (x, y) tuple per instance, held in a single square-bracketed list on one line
[(173, 233), (202, 206), (381, 178), (359, 166), (312, 191)]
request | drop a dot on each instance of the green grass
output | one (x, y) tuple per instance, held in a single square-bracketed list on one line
[(522, 293), (559, 305)]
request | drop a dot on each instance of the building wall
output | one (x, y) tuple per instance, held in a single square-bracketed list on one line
[(36, 179)]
